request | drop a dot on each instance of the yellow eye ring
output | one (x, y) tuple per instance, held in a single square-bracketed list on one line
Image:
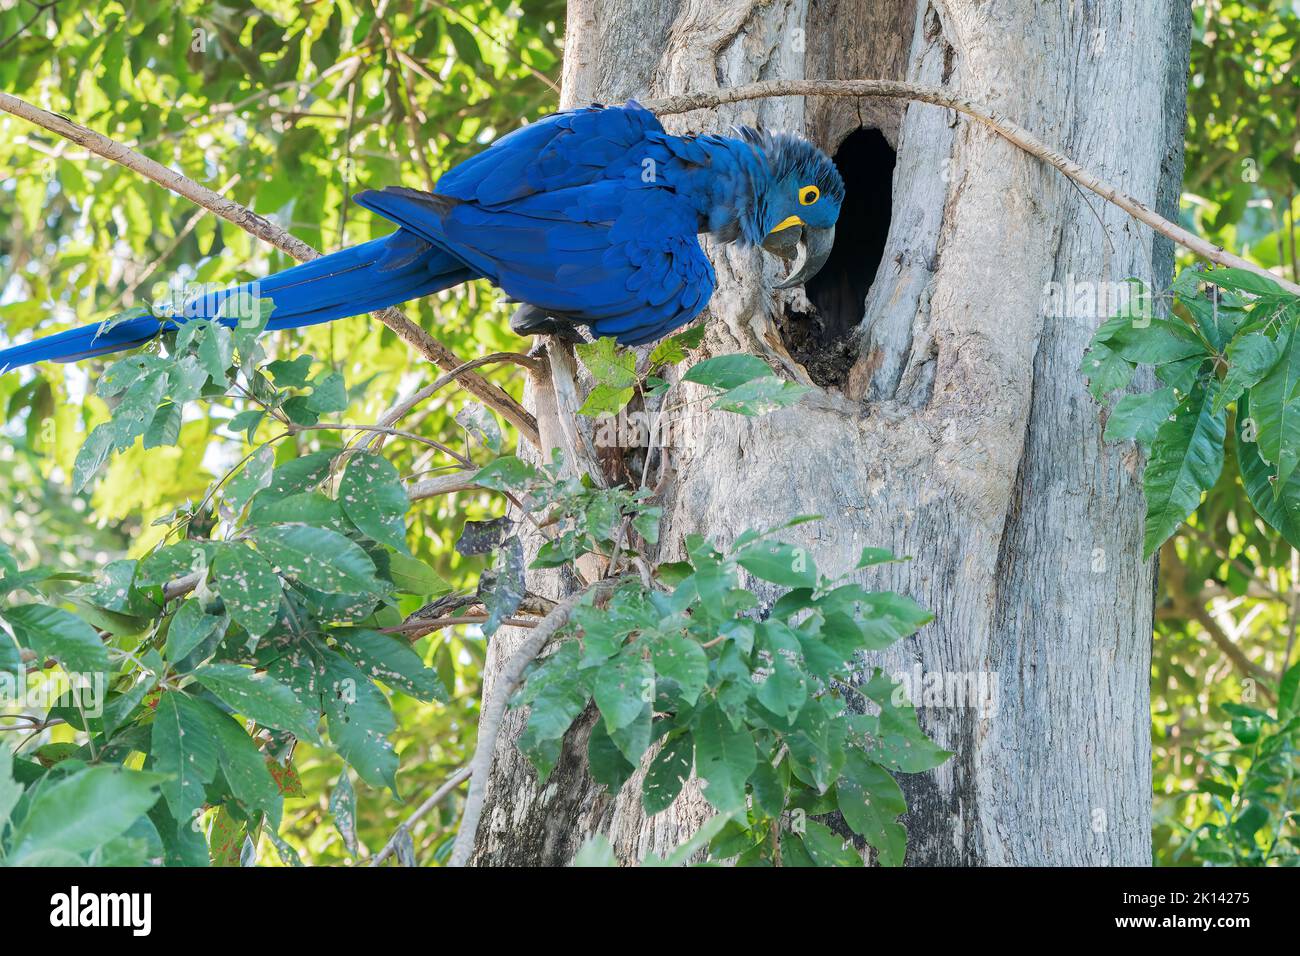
[(809, 195)]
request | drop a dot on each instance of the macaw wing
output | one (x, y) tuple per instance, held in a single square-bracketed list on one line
[(566, 149), (632, 269)]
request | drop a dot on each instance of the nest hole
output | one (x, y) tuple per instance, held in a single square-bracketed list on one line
[(823, 340)]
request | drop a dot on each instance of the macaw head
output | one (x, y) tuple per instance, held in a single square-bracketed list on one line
[(799, 203)]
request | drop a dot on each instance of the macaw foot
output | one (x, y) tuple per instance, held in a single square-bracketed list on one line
[(530, 320)]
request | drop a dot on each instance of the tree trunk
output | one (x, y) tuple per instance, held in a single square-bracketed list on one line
[(950, 422)]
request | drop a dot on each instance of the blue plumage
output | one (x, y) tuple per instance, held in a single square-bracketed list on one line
[(590, 217)]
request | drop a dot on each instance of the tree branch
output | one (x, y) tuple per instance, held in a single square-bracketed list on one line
[(452, 782), (269, 232), (489, 725), (1021, 137)]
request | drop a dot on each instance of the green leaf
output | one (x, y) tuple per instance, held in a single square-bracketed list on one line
[(319, 558), (252, 478), (1155, 341), (826, 847), (165, 428), (666, 774), (183, 747), (502, 589), (217, 351), (58, 818), (622, 688), (1186, 459), (53, 632), (761, 396), (291, 373), (1106, 370), (507, 473), (608, 364), (412, 576), (684, 661), (248, 586), (189, 627), (1275, 402), (391, 661), (873, 556), (375, 500), (360, 721), (328, 394), (609, 766), (299, 474), (605, 400), (768, 788), (343, 808), (244, 767), (672, 350), (724, 758), (1242, 281), (894, 738), (1282, 512), (92, 455), (1140, 416), (174, 561), (1250, 357), (779, 563), (259, 697), (728, 371), (871, 802)]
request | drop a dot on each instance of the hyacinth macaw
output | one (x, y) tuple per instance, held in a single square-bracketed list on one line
[(587, 217)]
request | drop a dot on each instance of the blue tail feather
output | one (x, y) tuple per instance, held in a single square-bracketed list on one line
[(352, 281)]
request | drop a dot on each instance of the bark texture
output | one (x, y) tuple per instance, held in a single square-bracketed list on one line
[(957, 431)]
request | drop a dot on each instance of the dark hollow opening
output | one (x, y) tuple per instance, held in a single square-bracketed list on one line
[(824, 342)]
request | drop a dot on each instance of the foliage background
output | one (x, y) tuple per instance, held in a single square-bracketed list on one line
[(289, 108)]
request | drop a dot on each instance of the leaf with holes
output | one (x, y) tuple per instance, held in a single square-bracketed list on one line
[(319, 558), (249, 588), (259, 697), (375, 500)]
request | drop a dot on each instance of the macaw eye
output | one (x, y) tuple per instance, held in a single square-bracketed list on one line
[(809, 195)]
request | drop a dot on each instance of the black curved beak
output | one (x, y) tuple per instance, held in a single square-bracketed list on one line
[(808, 246)]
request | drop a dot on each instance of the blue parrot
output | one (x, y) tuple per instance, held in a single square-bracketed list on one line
[(587, 217)]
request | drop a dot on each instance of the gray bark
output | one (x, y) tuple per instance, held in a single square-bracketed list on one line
[(962, 435)]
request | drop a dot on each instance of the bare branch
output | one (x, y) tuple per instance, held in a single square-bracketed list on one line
[(442, 485), (269, 232), (1016, 134)]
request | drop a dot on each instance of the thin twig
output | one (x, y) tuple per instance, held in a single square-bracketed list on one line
[(394, 414), (262, 228), (452, 782), (1016, 134)]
